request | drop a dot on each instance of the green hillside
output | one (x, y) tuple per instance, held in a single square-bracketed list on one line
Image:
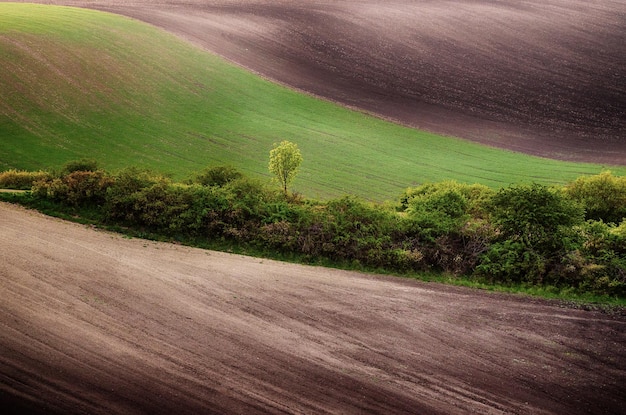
[(76, 83)]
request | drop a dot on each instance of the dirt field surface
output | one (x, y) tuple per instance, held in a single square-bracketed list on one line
[(545, 77), (93, 322)]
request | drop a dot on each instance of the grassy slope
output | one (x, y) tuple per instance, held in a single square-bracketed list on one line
[(77, 83)]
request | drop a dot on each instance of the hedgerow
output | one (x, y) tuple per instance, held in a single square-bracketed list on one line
[(531, 235), (21, 180)]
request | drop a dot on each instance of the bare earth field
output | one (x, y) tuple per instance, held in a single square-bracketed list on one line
[(545, 77), (92, 322)]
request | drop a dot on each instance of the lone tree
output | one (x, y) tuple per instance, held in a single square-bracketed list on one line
[(285, 159)]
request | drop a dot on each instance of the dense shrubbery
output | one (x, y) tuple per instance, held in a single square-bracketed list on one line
[(603, 196), (572, 237), (78, 188), (535, 235), (21, 180)]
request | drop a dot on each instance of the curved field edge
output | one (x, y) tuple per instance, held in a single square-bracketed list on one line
[(81, 83), (130, 326), (566, 298), (571, 234)]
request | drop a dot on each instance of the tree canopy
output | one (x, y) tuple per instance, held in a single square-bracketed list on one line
[(285, 159)]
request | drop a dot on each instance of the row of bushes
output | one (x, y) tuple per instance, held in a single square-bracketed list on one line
[(572, 236), (20, 179)]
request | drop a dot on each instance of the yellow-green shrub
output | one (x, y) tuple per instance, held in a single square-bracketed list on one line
[(78, 188), (19, 179), (603, 196)]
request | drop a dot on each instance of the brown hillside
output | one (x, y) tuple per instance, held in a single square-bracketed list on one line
[(541, 77), (94, 323)]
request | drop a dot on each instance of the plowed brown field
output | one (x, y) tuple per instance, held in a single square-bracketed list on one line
[(545, 77), (92, 322)]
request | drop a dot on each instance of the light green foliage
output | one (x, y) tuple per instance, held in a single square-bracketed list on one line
[(444, 207), (19, 179), (78, 188), (599, 265), (285, 160), (620, 232), (476, 195), (603, 196)]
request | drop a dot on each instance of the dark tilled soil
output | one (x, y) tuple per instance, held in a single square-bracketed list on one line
[(92, 322), (545, 77)]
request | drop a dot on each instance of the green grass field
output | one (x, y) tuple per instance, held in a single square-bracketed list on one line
[(76, 83)]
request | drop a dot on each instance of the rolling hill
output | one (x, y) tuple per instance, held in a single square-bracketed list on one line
[(78, 83), (541, 77), (97, 323)]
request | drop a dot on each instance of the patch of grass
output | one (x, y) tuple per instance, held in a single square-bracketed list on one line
[(78, 83), (563, 296)]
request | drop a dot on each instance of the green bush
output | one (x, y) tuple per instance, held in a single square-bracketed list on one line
[(79, 188), (476, 196), (249, 199), (122, 194), (344, 230), (459, 252), (447, 223), (234, 209), (603, 196), (534, 225), (21, 180), (601, 260), (354, 230), (438, 213), (512, 262), (79, 165), (536, 215), (218, 176), (158, 207), (170, 208)]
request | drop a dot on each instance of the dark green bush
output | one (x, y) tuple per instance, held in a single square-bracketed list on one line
[(446, 223), (534, 225), (512, 262), (171, 208), (249, 198), (218, 176), (459, 252), (345, 230), (536, 215), (354, 230), (79, 165), (159, 207)]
